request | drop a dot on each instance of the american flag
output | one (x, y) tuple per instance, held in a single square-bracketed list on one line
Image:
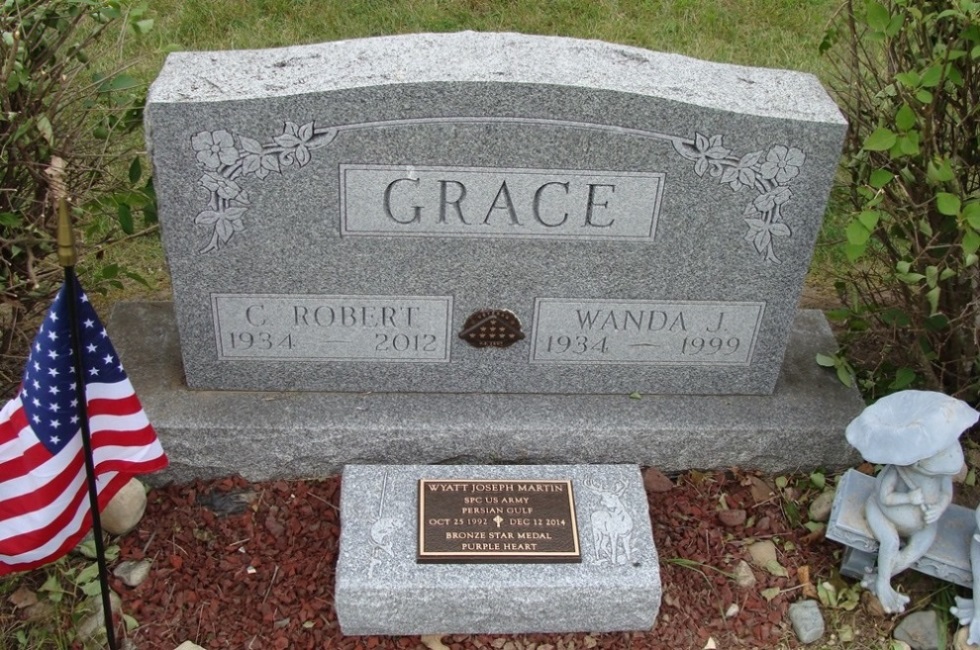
[(44, 506)]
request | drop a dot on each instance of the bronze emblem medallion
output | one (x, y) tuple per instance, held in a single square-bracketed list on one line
[(492, 328)]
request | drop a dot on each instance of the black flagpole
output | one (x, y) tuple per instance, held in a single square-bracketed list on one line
[(66, 258)]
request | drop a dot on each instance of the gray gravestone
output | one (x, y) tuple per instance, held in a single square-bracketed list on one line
[(333, 214), (337, 216), (382, 590)]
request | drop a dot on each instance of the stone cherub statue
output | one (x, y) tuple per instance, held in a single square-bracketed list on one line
[(915, 434)]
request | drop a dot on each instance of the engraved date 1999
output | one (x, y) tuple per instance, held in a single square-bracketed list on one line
[(708, 346)]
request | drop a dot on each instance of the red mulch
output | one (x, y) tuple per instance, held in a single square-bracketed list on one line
[(264, 578)]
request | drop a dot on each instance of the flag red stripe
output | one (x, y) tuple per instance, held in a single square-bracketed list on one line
[(43, 495), (125, 406), (69, 503), (68, 539)]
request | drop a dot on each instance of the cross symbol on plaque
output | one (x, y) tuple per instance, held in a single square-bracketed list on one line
[(498, 520)]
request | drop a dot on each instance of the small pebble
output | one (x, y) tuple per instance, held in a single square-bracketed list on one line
[(732, 610), (188, 645), (960, 640), (820, 507), (744, 575), (434, 642), (807, 620), (132, 573), (762, 553), (656, 481), (732, 518), (920, 630)]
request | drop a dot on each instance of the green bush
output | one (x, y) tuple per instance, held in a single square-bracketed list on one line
[(58, 105), (908, 81)]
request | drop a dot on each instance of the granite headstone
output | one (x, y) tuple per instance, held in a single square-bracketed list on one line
[(334, 215), (472, 248)]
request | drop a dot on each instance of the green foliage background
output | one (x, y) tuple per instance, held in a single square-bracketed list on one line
[(907, 76)]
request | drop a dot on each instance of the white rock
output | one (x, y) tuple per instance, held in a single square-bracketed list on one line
[(434, 642), (744, 575), (807, 621), (132, 573), (820, 507), (125, 510), (188, 645), (960, 640), (763, 553)]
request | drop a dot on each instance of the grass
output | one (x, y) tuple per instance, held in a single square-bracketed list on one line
[(768, 33), (772, 33)]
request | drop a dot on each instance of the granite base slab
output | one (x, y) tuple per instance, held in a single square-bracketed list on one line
[(382, 590), (947, 559), (281, 434)]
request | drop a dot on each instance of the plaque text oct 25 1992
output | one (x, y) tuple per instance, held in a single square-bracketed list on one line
[(497, 521)]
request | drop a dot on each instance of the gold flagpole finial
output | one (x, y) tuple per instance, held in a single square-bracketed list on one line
[(66, 238)]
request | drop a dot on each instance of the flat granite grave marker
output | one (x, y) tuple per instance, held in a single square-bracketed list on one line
[(381, 589), (459, 248), (333, 214)]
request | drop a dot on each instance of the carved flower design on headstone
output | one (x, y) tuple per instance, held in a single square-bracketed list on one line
[(743, 173), (708, 154), (767, 174), (214, 148), (226, 163), (225, 223), (782, 163), (223, 187)]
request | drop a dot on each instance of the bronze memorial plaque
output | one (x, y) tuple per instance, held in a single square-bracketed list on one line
[(473, 520)]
